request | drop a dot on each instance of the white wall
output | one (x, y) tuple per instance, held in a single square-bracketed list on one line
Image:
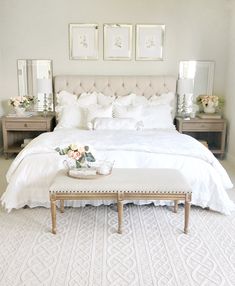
[(39, 29), (230, 86)]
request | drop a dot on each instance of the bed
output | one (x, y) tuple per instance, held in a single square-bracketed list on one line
[(154, 144)]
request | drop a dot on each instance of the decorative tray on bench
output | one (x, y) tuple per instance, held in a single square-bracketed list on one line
[(92, 172)]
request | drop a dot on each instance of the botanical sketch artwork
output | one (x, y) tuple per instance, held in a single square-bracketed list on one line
[(83, 40), (149, 42), (117, 41)]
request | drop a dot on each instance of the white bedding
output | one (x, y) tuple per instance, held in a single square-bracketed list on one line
[(33, 170)]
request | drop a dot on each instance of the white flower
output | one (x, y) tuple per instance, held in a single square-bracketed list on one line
[(73, 147)]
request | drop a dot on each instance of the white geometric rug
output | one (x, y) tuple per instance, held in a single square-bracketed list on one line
[(87, 250)]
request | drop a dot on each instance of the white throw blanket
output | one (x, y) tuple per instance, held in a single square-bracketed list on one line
[(152, 148)]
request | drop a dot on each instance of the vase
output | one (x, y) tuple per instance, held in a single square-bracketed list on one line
[(20, 111), (209, 107)]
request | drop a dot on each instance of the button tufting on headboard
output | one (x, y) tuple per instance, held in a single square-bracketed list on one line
[(116, 85)]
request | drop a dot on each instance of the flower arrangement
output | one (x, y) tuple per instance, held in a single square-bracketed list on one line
[(210, 100), (80, 154), (21, 101)]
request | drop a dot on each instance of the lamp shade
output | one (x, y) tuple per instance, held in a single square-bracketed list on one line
[(185, 85), (44, 85)]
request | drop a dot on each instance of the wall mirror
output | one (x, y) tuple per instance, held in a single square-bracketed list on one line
[(35, 79), (195, 78)]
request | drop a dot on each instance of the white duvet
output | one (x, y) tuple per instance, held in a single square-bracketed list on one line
[(33, 170)]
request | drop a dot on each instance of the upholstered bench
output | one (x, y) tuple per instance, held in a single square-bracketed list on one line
[(123, 184)]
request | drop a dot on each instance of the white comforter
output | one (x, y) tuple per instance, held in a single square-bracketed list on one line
[(33, 170)]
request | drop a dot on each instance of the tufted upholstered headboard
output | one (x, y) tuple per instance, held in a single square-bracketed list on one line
[(115, 85)]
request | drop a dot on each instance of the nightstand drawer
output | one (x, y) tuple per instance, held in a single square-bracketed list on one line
[(26, 125), (203, 126)]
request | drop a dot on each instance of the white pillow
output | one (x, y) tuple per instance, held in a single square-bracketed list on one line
[(140, 100), (164, 98), (96, 111), (104, 99), (86, 99), (127, 111), (158, 116), (71, 116), (65, 98), (116, 124), (125, 100)]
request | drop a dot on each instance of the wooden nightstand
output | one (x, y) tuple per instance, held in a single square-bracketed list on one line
[(213, 131), (16, 129)]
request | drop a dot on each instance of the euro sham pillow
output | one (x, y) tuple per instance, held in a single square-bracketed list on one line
[(125, 100), (157, 117), (164, 98), (65, 98), (86, 99), (71, 116), (116, 124), (104, 99)]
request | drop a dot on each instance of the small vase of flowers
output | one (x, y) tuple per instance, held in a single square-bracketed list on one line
[(210, 103), (80, 154), (20, 103)]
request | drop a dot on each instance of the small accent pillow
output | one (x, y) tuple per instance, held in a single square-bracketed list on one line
[(71, 116), (105, 99), (158, 116), (65, 98), (127, 111), (86, 99), (96, 110), (115, 124)]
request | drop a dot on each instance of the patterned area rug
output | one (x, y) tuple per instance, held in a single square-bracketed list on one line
[(87, 250)]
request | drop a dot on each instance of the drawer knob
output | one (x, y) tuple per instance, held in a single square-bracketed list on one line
[(25, 125)]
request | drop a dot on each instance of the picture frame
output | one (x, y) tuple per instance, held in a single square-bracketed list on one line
[(83, 41), (117, 41), (150, 42)]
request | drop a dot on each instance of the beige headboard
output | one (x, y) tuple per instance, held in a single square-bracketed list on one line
[(115, 85)]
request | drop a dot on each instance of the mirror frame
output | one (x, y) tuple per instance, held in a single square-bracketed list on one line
[(191, 74), (29, 79), (186, 102)]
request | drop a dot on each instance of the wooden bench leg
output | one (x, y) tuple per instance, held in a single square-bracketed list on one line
[(120, 212), (53, 213), (62, 206), (176, 206), (186, 214)]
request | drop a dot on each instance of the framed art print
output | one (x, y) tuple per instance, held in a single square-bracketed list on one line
[(117, 42), (149, 42), (83, 41)]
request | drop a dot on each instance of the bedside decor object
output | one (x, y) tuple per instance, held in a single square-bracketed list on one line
[(45, 87), (79, 154), (20, 103), (209, 103), (149, 42), (117, 42), (18, 129), (28, 72), (209, 115), (185, 94), (213, 131), (83, 41)]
